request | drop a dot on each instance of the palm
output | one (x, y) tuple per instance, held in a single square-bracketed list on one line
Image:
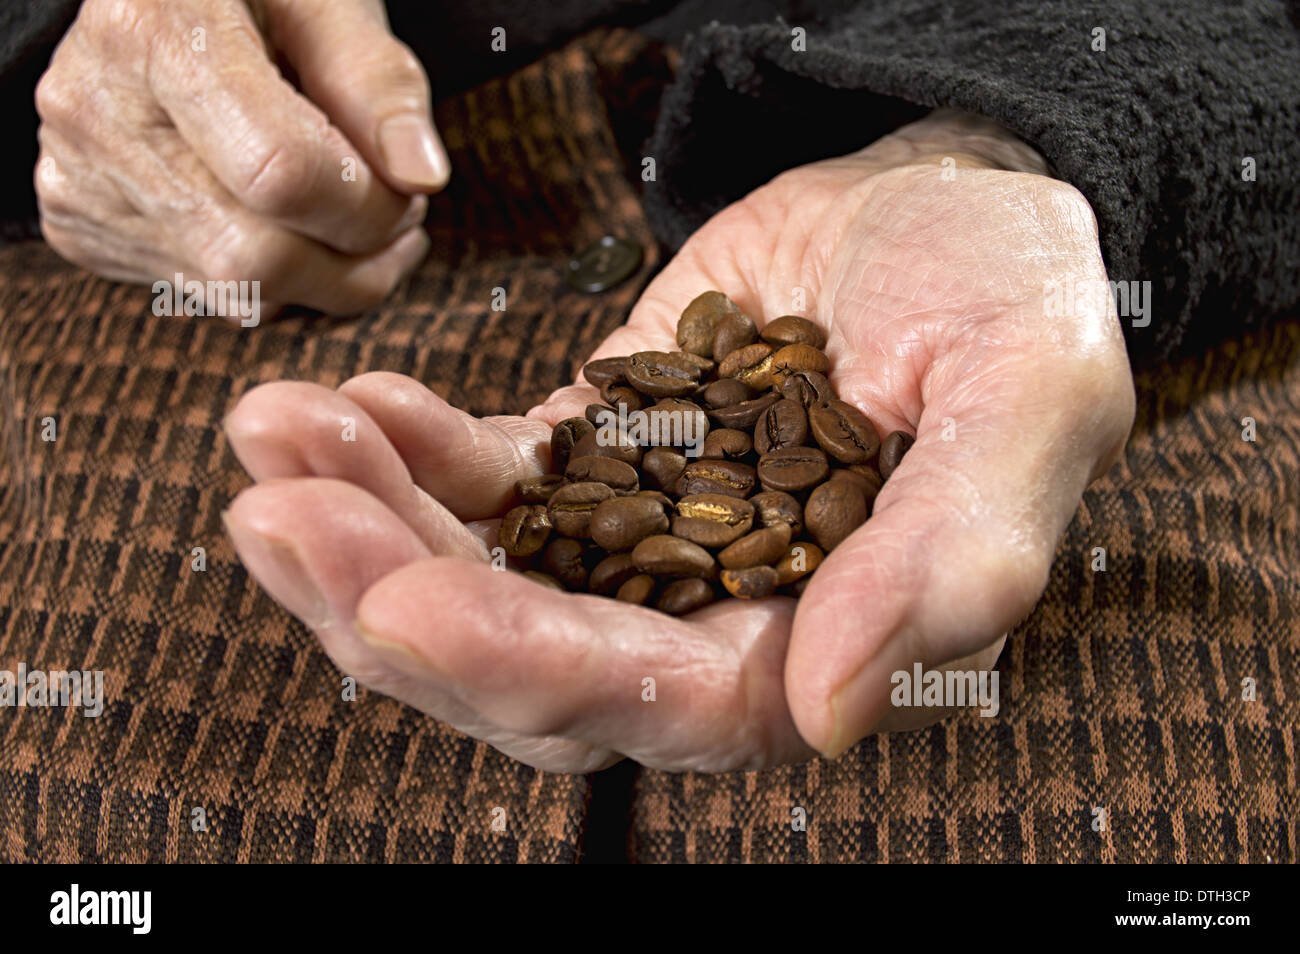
[(927, 310)]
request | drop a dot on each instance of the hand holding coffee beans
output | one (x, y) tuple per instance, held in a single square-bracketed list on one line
[(727, 468)]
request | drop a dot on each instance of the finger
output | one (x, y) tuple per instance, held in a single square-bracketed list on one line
[(292, 429), (959, 546), (268, 146), (370, 85), (699, 693), (470, 465)]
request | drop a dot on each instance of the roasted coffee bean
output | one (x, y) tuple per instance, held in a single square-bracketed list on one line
[(608, 441), (833, 511), (672, 556), (684, 596), (706, 365), (773, 507), (716, 477), (751, 583), (726, 443), (797, 359), (751, 365), (743, 415), (712, 520), (677, 422), (844, 432), (617, 394), (524, 530), (735, 330), (791, 329), (596, 414), (662, 374), (663, 466), (611, 573), (806, 387), (544, 578), (570, 508), (726, 392), (800, 559), (892, 450), (604, 370), (862, 476), (563, 559), (603, 470), (784, 424), (755, 549), (538, 490), (660, 498), (564, 435), (699, 322), (637, 590), (792, 469), (622, 523)]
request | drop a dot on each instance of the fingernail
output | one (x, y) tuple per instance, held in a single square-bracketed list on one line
[(412, 152), (397, 654), (277, 567)]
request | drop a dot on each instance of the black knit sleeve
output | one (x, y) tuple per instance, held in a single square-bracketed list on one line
[(1178, 123)]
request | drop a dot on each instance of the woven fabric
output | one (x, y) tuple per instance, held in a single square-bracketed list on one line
[(1122, 691)]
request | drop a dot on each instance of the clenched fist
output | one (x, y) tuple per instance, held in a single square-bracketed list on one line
[(171, 141)]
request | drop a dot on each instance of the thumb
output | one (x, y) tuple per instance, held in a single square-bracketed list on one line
[(369, 83)]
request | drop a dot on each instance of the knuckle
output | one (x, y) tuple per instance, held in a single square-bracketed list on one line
[(281, 178), (239, 254), (57, 101)]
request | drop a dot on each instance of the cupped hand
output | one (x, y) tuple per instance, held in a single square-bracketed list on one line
[(927, 257), (170, 141)]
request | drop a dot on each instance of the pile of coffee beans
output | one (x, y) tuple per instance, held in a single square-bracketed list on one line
[(728, 467)]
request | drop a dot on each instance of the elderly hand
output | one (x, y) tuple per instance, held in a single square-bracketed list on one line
[(171, 142), (926, 256)]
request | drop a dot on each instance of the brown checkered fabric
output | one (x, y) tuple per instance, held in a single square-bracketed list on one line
[(1121, 691)]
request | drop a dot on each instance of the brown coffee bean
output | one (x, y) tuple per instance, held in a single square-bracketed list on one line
[(716, 477), (637, 589), (774, 507), (595, 414), (613, 473), (726, 443), (706, 365), (806, 387), (676, 422), (524, 530), (751, 583), (663, 466), (751, 365), (684, 596), (617, 394), (538, 490), (660, 498), (570, 508), (862, 476), (608, 441), (622, 523), (544, 578), (662, 374), (735, 330), (797, 359), (564, 559), (672, 556), (712, 520), (699, 322), (611, 573), (784, 424), (833, 511), (844, 432), (743, 415), (725, 392), (791, 329), (757, 548), (604, 370), (563, 436), (792, 469), (800, 560), (892, 450)]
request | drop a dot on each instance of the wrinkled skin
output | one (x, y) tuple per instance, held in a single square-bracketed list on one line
[(931, 288), (170, 142)]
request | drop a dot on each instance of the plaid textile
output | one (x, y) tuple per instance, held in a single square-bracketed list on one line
[(1122, 690)]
